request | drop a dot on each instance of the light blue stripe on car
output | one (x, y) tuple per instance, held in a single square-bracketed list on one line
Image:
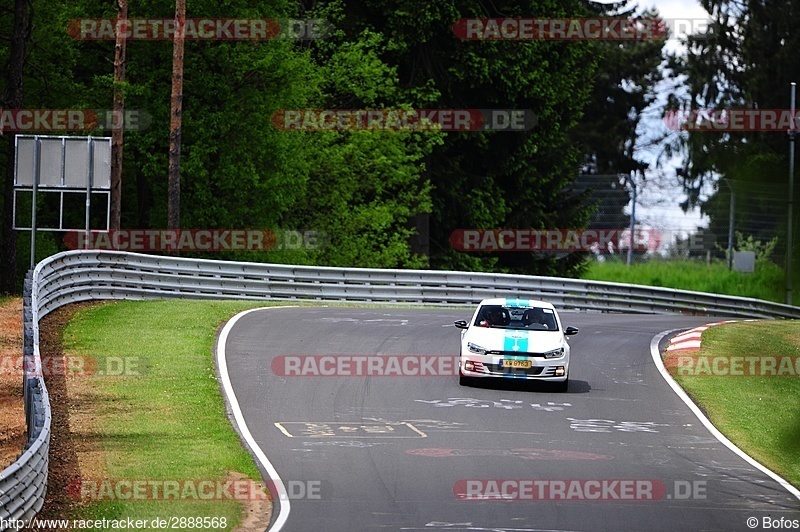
[(514, 344), (517, 302)]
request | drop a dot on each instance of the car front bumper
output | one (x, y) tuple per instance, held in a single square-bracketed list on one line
[(553, 369)]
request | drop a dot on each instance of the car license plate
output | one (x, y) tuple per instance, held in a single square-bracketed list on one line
[(511, 363)]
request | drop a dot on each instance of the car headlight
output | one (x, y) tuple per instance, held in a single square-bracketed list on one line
[(555, 353), (475, 348)]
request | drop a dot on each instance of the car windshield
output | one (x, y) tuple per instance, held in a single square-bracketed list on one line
[(509, 317)]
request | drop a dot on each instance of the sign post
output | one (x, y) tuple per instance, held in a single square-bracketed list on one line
[(61, 165), (789, 236)]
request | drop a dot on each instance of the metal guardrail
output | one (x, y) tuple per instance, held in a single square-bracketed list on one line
[(23, 484), (74, 276)]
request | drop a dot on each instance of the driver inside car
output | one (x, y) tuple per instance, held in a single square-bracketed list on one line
[(491, 318)]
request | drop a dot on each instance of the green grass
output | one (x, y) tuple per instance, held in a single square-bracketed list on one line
[(767, 282), (760, 414), (169, 423)]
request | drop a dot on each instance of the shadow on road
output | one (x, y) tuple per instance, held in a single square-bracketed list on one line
[(519, 385)]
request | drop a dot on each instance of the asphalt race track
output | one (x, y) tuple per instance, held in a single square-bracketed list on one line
[(618, 451)]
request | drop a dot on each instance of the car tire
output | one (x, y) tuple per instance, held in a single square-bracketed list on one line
[(463, 380), (562, 387)]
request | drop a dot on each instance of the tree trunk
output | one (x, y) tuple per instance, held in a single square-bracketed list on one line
[(19, 39), (174, 180), (118, 128)]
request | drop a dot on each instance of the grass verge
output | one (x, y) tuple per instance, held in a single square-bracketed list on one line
[(767, 282), (758, 411), (162, 419)]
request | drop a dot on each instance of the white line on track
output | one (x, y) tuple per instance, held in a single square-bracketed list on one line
[(283, 497), (705, 421)]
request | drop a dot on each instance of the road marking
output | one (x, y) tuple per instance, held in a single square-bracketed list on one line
[(469, 526), (656, 356), (241, 424), (492, 432), (551, 407), (525, 454), (285, 432), (355, 429), (608, 425), (506, 404), (356, 444)]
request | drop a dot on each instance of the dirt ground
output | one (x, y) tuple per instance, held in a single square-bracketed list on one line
[(12, 410)]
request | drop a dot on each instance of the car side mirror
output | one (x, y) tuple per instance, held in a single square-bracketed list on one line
[(461, 324), (569, 331)]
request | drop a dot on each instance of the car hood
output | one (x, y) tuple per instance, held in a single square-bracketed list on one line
[(515, 339)]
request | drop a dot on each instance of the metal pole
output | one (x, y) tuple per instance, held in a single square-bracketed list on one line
[(789, 237), (37, 155), (730, 226), (89, 184), (633, 220)]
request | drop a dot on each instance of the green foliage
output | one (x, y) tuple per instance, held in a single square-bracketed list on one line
[(490, 179), (368, 192), (765, 283), (362, 187), (747, 62), (763, 250)]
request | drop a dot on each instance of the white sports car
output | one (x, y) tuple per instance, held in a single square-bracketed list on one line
[(517, 339)]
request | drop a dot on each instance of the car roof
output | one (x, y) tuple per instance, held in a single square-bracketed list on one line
[(516, 302)]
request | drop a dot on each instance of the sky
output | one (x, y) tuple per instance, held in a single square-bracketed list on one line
[(660, 194), (672, 214)]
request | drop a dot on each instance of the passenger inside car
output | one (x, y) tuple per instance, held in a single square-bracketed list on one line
[(536, 318)]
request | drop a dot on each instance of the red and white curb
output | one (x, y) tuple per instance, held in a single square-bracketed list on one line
[(690, 340)]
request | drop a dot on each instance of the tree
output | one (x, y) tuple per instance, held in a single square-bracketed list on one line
[(117, 134), (176, 113), (363, 188), (610, 135), (747, 62), (490, 179), (624, 87), (369, 191), (19, 39)]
